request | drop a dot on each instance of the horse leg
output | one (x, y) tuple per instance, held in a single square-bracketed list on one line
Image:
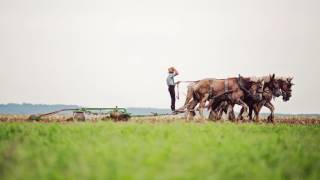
[(202, 105), (214, 110), (257, 109), (231, 115), (219, 114), (224, 109), (245, 110), (189, 99), (209, 106), (191, 109), (271, 116), (213, 115), (256, 113), (250, 112), (201, 109), (240, 113), (220, 109)]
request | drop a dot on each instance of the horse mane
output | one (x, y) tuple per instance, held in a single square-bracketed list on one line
[(209, 79), (254, 78), (261, 78), (283, 78), (267, 79)]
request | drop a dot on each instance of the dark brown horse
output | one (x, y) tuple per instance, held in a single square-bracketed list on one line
[(233, 89), (285, 85), (223, 104), (274, 88), (271, 88)]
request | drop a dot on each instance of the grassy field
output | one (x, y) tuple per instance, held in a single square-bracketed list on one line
[(175, 150)]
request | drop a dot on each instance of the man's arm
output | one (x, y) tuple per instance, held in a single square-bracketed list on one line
[(176, 72)]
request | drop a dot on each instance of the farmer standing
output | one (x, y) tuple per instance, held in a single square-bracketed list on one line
[(171, 84)]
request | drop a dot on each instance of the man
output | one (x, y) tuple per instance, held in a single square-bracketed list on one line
[(171, 84)]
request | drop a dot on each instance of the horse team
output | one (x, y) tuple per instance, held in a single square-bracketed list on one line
[(221, 95)]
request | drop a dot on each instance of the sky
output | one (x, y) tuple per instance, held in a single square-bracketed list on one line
[(104, 53)]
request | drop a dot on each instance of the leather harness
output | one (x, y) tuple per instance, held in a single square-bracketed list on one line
[(226, 85)]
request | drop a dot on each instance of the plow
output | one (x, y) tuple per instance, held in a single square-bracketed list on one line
[(84, 114)]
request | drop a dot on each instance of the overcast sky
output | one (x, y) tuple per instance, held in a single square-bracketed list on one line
[(107, 53)]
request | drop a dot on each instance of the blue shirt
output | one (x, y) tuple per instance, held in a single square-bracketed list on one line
[(170, 79)]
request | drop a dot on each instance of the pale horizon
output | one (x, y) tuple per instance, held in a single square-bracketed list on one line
[(116, 53)]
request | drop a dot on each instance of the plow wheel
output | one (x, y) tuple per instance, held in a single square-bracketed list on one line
[(79, 116), (118, 116)]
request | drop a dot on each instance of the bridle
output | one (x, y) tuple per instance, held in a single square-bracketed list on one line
[(272, 87)]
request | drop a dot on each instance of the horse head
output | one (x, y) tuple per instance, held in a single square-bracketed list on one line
[(286, 85), (273, 84)]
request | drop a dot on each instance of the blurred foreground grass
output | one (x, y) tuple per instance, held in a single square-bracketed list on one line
[(176, 150)]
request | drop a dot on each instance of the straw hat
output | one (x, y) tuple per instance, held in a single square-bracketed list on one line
[(171, 70)]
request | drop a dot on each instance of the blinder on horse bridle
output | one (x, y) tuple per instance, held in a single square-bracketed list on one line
[(276, 91)]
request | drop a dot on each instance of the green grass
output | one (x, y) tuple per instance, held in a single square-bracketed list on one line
[(107, 150)]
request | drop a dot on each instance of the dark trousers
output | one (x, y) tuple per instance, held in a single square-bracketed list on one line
[(173, 97)]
